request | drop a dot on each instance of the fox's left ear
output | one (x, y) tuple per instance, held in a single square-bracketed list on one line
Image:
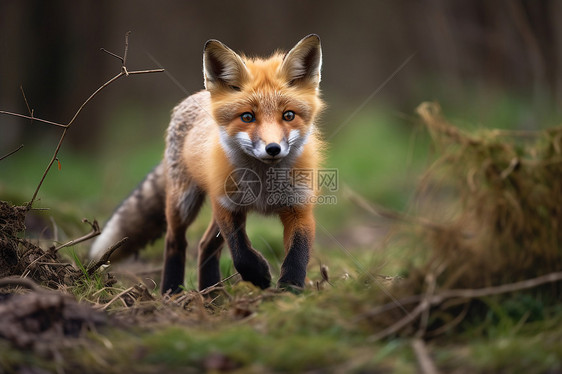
[(302, 64)]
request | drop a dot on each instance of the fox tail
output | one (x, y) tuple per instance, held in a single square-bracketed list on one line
[(140, 217)]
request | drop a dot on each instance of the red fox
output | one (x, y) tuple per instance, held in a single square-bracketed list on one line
[(254, 120)]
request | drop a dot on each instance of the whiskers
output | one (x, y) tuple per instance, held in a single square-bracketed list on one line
[(246, 145), (294, 136)]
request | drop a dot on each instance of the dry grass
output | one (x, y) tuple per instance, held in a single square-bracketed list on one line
[(506, 188), (487, 222)]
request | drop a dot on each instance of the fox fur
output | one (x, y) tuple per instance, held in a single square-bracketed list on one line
[(255, 118)]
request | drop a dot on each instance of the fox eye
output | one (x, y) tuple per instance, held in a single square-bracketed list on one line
[(247, 117), (289, 115)]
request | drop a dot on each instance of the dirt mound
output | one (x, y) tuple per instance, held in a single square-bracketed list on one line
[(21, 257), (41, 318), (11, 223)]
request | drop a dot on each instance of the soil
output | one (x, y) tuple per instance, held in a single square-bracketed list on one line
[(41, 318), (33, 316)]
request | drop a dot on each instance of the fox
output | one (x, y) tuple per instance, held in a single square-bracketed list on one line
[(240, 143)]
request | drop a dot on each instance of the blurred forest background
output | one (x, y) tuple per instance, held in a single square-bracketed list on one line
[(464, 51), (496, 64)]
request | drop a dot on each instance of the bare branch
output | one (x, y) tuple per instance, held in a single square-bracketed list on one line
[(123, 72), (92, 96), (431, 281), (126, 47), (470, 293), (116, 297), (146, 71), (424, 359), (497, 290), (413, 315), (105, 258), (11, 153), (26, 103), (112, 54), (427, 300), (95, 232), (210, 288), (64, 134), (33, 118), (125, 53)]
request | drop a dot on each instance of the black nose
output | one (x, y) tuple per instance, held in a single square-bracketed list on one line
[(273, 149)]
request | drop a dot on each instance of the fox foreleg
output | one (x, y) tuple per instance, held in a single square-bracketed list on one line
[(251, 265), (210, 248), (298, 236)]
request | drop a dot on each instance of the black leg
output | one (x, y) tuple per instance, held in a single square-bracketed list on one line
[(293, 270), (298, 236), (182, 206), (251, 265), (210, 249), (174, 263)]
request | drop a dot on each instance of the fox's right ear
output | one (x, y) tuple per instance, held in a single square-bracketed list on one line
[(222, 67)]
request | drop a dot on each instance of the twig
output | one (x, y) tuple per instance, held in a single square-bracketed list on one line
[(54, 264), (26, 103), (33, 118), (105, 258), (497, 290), (66, 127), (117, 297), (112, 54), (124, 65), (427, 302), (430, 279), (469, 293), (146, 71), (11, 153), (207, 289), (401, 323), (63, 136), (27, 270), (95, 232), (424, 359)]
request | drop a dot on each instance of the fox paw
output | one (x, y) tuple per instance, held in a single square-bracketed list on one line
[(255, 271)]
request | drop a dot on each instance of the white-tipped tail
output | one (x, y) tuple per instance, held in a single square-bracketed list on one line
[(140, 218), (110, 235)]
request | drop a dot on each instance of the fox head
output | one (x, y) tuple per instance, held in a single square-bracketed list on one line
[(265, 108)]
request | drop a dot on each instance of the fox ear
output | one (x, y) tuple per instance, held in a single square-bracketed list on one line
[(222, 67), (302, 64)]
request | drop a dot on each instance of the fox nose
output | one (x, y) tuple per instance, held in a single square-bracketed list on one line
[(273, 149)]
